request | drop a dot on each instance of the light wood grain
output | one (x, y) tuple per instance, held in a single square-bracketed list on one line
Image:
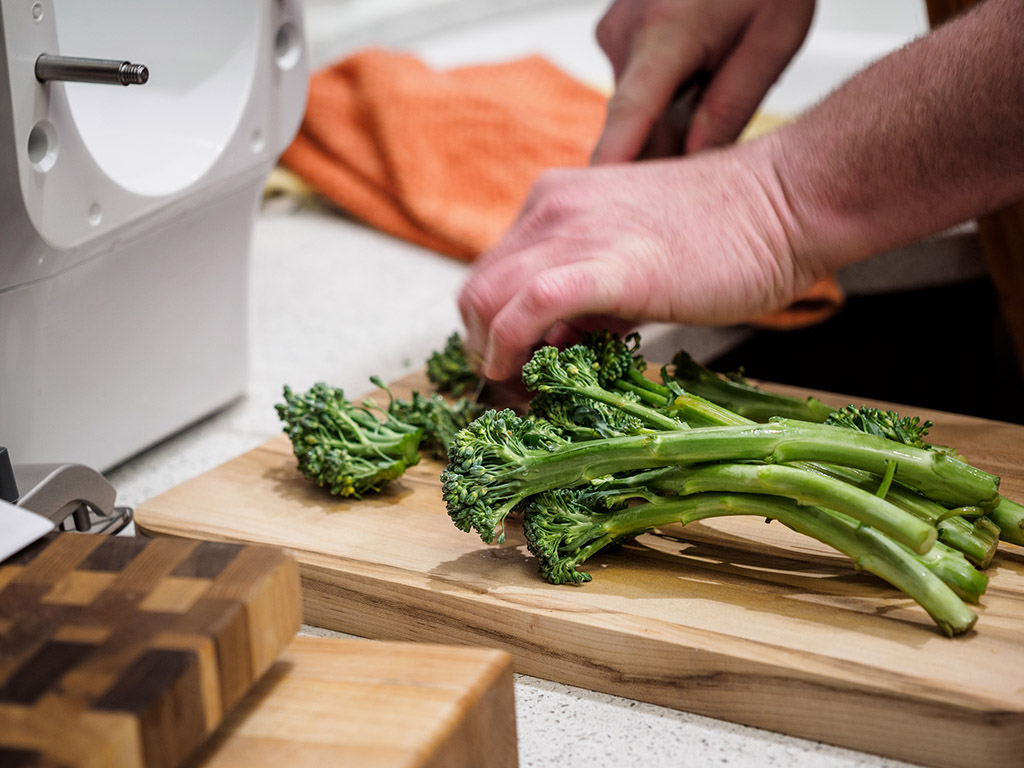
[(739, 620), (374, 705)]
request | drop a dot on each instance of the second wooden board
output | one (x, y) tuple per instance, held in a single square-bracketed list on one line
[(742, 621), (345, 702)]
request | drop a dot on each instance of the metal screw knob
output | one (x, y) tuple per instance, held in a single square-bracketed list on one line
[(81, 70)]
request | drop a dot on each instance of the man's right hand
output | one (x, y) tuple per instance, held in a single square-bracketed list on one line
[(655, 46), (702, 241)]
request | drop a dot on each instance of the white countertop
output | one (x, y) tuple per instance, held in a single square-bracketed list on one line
[(332, 300)]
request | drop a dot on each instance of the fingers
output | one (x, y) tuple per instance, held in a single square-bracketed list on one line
[(550, 213), (492, 286), (660, 61), (746, 74), (613, 31), (573, 290)]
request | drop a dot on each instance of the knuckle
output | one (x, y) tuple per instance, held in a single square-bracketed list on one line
[(605, 33), (627, 103), (550, 199), (478, 300), (542, 292), (505, 334), (727, 113)]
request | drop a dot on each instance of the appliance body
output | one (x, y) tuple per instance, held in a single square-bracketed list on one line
[(126, 215)]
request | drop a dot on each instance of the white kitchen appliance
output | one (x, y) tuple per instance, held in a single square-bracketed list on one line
[(126, 214)]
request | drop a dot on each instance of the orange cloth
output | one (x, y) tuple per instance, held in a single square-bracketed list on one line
[(822, 300), (445, 159)]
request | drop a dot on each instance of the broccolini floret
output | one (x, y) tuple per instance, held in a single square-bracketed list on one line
[(342, 446), (909, 430), (449, 369), (438, 418), (574, 376)]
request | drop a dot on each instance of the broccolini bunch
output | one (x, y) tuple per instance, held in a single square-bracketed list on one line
[(606, 454)]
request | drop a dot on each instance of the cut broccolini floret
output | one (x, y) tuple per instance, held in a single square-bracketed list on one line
[(439, 419), (449, 369), (342, 446)]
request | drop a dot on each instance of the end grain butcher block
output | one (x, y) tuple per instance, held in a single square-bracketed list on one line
[(758, 626), (345, 702), (120, 651)]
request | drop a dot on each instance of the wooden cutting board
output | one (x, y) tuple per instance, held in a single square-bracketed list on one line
[(740, 620), (342, 702), (120, 651)]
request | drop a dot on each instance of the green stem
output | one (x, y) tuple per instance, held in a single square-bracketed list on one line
[(976, 542), (802, 487), (939, 476), (1009, 516), (867, 547), (742, 398), (651, 417), (890, 473)]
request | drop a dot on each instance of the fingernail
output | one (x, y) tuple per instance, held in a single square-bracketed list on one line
[(696, 135), (474, 337), (488, 365)]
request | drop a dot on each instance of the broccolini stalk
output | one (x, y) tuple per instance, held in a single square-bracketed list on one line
[(564, 528), (737, 394), (976, 539), (803, 487), (1009, 516), (499, 460), (344, 447), (449, 370)]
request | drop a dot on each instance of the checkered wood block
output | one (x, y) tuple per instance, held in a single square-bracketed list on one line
[(119, 651)]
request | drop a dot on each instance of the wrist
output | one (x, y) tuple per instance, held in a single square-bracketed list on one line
[(821, 236), (797, 229)]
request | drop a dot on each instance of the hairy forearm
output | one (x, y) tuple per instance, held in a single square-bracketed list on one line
[(928, 137)]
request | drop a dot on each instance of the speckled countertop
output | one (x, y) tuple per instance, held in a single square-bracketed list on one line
[(317, 313)]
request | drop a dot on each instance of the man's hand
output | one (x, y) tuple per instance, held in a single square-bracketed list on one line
[(657, 45), (704, 240)]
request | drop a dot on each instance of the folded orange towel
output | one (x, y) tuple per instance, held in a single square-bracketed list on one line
[(445, 159), (822, 300)]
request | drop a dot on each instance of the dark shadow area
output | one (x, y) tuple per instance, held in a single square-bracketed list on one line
[(946, 348)]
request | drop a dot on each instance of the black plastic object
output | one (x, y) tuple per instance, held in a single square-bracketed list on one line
[(8, 485)]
